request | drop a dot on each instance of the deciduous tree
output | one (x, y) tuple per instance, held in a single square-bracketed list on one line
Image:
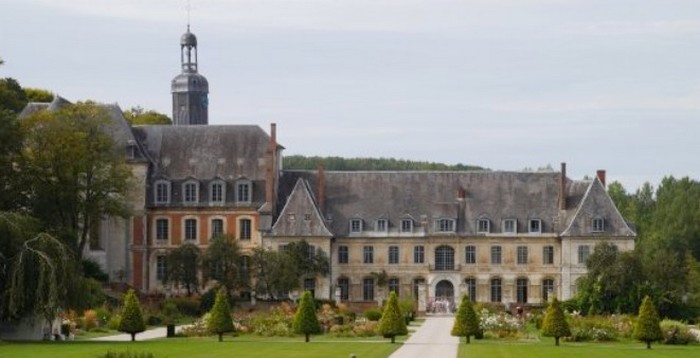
[(392, 323), (137, 116), (222, 262), (182, 267)]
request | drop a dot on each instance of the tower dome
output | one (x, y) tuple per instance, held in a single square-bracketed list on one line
[(190, 89)]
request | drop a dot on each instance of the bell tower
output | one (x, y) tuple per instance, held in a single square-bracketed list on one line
[(190, 89)]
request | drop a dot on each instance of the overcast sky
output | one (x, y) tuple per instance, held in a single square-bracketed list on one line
[(504, 84)]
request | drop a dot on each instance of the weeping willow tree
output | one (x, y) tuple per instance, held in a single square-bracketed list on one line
[(37, 272)]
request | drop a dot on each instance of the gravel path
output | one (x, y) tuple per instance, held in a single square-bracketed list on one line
[(154, 333), (431, 340)]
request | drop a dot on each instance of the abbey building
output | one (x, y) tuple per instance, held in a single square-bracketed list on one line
[(505, 237)]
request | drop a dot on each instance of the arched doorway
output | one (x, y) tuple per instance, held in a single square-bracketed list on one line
[(444, 290)]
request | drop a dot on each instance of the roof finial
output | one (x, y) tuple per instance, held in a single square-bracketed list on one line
[(189, 8)]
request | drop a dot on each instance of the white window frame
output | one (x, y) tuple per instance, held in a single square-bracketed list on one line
[(545, 256), (584, 252), (470, 257), (222, 194), (240, 232), (511, 222), (419, 254), (156, 190), (598, 224), (496, 252), (157, 229), (530, 228), (445, 225), (185, 231), (245, 197), (356, 225), (522, 254), (393, 255), (211, 225), (483, 226), (185, 186), (406, 225), (382, 225)]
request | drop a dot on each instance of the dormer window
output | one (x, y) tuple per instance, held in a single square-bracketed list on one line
[(217, 192), (510, 226), (243, 191), (406, 225), (356, 225), (483, 226), (535, 226), (162, 192), (190, 194), (598, 224), (131, 149), (445, 225), (382, 225)]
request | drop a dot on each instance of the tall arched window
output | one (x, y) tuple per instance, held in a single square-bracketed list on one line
[(521, 290), (444, 258), (496, 290), (470, 284)]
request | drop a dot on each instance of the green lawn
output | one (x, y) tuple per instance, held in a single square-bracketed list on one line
[(546, 348), (239, 347)]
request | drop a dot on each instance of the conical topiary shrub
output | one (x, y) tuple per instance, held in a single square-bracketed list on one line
[(466, 322), (305, 320), (647, 328), (554, 323), (132, 317), (392, 323), (220, 320)]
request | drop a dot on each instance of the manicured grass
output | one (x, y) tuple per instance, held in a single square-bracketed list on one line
[(546, 348), (238, 347)]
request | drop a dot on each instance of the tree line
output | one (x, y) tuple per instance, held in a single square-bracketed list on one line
[(300, 162), (664, 263)]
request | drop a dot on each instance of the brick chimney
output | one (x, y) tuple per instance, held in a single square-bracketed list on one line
[(601, 176), (321, 191), (562, 187), (270, 175)]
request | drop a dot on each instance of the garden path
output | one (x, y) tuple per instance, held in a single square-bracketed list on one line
[(154, 333), (432, 339)]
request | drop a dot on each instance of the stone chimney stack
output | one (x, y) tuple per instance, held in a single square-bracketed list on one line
[(601, 176), (321, 191), (271, 175), (562, 187)]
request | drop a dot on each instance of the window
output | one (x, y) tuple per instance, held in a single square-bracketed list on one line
[(343, 254), (190, 229), (522, 255), (162, 229), (583, 252), (382, 225), (470, 284), (510, 226), (406, 225), (243, 192), (521, 290), (496, 293), (483, 226), (307, 217), (496, 252), (190, 193), (598, 225), (547, 289), (368, 289), (394, 285), (244, 229), (344, 285), (535, 226), (217, 227), (470, 254), (162, 194), (161, 267), (310, 285), (548, 255), (445, 225), (393, 254), (356, 225), (216, 192), (418, 254), (368, 254), (444, 258)]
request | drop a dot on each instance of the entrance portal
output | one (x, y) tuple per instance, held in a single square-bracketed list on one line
[(444, 297)]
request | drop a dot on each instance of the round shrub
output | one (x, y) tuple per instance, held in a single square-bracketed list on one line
[(676, 332), (373, 315)]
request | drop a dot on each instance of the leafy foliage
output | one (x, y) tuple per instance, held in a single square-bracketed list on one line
[(392, 323), (466, 321), (554, 323), (182, 264), (131, 317), (278, 272), (137, 116), (220, 320), (305, 320), (38, 95), (648, 328), (12, 97), (353, 164), (222, 262)]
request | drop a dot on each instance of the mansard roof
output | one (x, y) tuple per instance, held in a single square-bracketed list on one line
[(300, 215), (205, 152), (597, 204), (429, 196)]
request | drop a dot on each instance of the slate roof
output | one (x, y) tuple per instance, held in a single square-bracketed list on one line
[(300, 215), (429, 196), (596, 203)]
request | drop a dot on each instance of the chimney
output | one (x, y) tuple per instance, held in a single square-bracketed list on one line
[(271, 177), (601, 176), (321, 191), (461, 194), (562, 187)]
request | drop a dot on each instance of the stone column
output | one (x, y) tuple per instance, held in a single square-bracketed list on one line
[(338, 295), (422, 297)]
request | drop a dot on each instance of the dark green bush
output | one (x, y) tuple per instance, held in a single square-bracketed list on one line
[(676, 332), (373, 314), (91, 269), (188, 306), (206, 301), (154, 319)]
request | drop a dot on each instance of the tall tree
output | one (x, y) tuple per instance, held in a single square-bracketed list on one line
[(466, 321), (305, 320), (132, 318), (182, 267), (38, 95), (392, 323), (220, 320), (554, 323), (75, 172), (10, 148), (647, 329), (137, 115), (274, 274), (12, 96), (222, 262)]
